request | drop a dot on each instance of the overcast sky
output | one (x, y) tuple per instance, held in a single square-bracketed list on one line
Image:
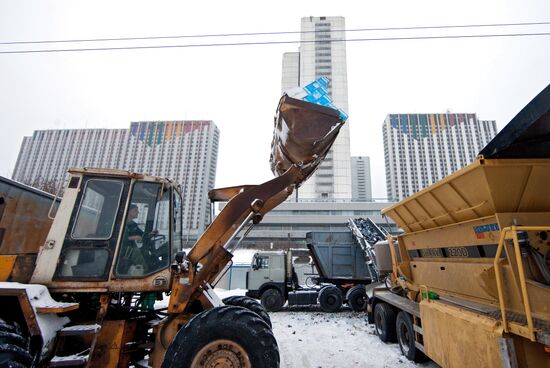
[(238, 87)]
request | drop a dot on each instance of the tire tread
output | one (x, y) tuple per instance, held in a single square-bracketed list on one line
[(213, 324)]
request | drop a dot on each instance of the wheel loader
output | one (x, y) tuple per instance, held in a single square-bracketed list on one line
[(468, 279), (84, 295)]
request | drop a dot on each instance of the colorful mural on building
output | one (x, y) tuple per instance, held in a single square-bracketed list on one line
[(157, 132), (420, 125)]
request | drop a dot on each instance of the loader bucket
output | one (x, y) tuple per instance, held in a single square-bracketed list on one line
[(303, 134)]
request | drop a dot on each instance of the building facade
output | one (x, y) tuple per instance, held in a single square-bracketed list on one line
[(361, 184), (420, 149), (185, 151), (322, 52)]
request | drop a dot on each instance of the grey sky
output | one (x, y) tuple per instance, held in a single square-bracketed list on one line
[(238, 87)]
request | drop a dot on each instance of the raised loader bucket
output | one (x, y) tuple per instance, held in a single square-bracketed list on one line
[(304, 132)]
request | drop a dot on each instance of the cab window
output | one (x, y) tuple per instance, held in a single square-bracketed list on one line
[(260, 262), (98, 209), (144, 247)]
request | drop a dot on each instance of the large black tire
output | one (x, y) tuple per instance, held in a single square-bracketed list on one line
[(384, 322), (330, 299), (272, 300), (357, 298), (14, 347), (228, 335), (250, 304), (405, 338)]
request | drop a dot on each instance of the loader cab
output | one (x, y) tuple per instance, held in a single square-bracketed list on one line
[(112, 225)]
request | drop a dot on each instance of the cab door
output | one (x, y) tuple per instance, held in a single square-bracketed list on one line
[(148, 229), (91, 238), (276, 268), (259, 274)]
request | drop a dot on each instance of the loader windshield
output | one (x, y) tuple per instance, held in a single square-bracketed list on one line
[(144, 247), (94, 224), (98, 209)]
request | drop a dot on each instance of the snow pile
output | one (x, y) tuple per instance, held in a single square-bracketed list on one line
[(240, 256), (243, 256), (222, 293)]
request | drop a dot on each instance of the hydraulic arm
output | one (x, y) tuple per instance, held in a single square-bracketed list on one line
[(303, 135)]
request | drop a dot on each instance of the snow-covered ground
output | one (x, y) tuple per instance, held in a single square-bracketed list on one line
[(310, 338)]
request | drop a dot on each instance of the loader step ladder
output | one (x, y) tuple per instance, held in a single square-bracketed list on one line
[(418, 333), (82, 358), (57, 307)]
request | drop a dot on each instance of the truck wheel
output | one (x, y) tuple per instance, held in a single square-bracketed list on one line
[(405, 338), (330, 299), (14, 347), (384, 322), (226, 336), (250, 304), (357, 298), (272, 300)]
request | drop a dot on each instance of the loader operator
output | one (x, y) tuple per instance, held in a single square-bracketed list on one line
[(134, 254)]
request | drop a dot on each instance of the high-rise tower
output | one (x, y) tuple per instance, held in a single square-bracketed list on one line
[(361, 187), (323, 53), (420, 149)]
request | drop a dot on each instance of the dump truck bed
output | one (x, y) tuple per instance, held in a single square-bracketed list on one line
[(481, 189), (24, 222), (337, 256), (24, 226)]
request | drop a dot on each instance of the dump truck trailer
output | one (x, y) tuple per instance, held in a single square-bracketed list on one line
[(341, 273), (25, 220), (114, 247), (468, 281)]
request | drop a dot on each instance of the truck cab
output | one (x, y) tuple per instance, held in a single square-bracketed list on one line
[(268, 270)]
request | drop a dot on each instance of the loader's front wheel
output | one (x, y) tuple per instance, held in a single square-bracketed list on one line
[(14, 347), (222, 353), (226, 336), (250, 304)]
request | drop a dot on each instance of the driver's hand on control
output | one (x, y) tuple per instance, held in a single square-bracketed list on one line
[(152, 234)]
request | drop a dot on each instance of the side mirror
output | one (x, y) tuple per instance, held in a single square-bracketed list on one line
[(257, 263), (180, 256)]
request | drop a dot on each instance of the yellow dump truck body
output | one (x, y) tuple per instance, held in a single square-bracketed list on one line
[(479, 240)]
